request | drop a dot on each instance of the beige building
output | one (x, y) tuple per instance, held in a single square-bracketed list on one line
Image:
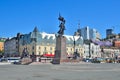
[(43, 43), (110, 52)]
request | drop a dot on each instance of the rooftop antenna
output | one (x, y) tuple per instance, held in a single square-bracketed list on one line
[(78, 28), (79, 25)]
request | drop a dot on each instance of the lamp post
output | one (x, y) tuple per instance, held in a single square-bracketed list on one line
[(74, 43), (89, 49), (75, 52)]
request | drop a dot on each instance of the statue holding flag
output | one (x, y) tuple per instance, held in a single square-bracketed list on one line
[(62, 25)]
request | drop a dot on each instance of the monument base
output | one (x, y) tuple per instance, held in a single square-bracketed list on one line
[(58, 61), (60, 53), (25, 61), (69, 60)]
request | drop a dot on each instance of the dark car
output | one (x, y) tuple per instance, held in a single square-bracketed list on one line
[(118, 60)]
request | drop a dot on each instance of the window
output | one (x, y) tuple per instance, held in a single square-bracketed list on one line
[(32, 53), (47, 43), (33, 47), (71, 49), (39, 47), (67, 49), (42, 43), (44, 48), (39, 53), (50, 48)]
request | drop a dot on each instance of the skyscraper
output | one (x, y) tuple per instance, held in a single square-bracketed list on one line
[(109, 33), (88, 33)]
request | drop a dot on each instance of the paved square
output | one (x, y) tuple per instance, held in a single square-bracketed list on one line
[(61, 72)]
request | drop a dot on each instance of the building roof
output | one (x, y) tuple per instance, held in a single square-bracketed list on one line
[(36, 29), (47, 35), (69, 37), (102, 43)]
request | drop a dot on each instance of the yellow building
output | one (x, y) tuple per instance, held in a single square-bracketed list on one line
[(1, 45)]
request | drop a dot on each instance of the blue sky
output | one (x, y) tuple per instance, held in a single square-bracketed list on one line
[(23, 15)]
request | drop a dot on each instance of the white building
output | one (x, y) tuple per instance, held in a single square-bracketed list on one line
[(91, 50), (95, 50), (86, 51)]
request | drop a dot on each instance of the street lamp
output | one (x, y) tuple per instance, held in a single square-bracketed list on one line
[(74, 43), (89, 49), (75, 51)]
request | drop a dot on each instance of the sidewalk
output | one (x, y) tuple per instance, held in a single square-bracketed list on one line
[(37, 63), (4, 63)]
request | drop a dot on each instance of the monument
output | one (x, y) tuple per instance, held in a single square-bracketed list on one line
[(25, 59), (60, 51)]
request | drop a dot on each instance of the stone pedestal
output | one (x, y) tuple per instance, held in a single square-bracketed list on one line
[(60, 52), (25, 61)]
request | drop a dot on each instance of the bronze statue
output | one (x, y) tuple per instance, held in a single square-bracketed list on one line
[(62, 25)]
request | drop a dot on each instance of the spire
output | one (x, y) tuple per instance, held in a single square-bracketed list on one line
[(78, 30), (35, 29), (79, 25)]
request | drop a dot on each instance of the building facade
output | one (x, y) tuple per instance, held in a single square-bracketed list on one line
[(1, 45), (109, 33), (11, 47), (88, 33), (2, 40), (38, 43), (91, 49), (116, 43), (95, 50), (111, 52), (85, 33), (41, 43), (86, 51)]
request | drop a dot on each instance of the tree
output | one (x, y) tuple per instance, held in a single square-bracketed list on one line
[(1, 52)]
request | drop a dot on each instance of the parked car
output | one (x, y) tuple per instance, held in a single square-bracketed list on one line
[(3, 59), (118, 60), (109, 60), (87, 60), (96, 60)]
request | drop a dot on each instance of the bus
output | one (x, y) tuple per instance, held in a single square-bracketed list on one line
[(13, 59)]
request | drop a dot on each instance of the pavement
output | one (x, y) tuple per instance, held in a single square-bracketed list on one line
[(4, 63), (64, 71)]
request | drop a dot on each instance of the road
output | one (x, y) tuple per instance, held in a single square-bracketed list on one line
[(63, 71)]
